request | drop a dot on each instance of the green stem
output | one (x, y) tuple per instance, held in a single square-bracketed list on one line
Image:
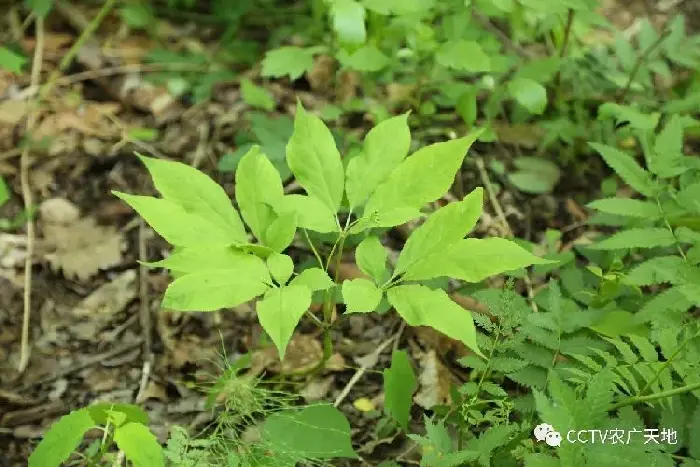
[(655, 396), (87, 33), (667, 363), (640, 61), (562, 52)]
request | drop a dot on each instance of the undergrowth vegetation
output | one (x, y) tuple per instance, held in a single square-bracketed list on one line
[(595, 349)]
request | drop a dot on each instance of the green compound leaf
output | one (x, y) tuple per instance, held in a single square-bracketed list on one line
[(371, 258), (422, 306), (178, 226), (279, 313), (314, 159), (627, 168), (281, 267), (197, 193), (443, 228), (473, 260), (311, 212), (258, 188), (314, 278), (385, 147), (463, 55), (313, 432), (399, 385), (288, 61), (361, 295), (651, 237), (62, 439), (140, 446), (421, 178)]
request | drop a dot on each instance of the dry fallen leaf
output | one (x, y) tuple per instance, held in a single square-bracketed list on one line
[(435, 381), (80, 247)]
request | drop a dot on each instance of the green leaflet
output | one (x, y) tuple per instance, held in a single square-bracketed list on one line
[(399, 385), (385, 146), (140, 446), (197, 193), (463, 55), (279, 313), (361, 295), (288, 61), (651, 237), (179, 226), (420, 179), (258, 188), (627, 207), (627, 168), (529, 93), (280, 233), (371, 258), (4, 192), (658, 270), (213, 290), (62, 439), (281, 267), (422, 306), (314, 160), (444, 227), (208, 258), (311, 212), (133, 413), (473, 260), (349, 21), (314, 278), (312, 432)]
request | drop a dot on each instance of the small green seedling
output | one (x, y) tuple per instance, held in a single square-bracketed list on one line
[(123, 425)]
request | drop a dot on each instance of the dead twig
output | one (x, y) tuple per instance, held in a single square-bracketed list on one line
[(28, 201)]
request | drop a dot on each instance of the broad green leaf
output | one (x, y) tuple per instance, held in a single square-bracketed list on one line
[(133, 413), (11, 61), (421, 178), (258, 188), (312, 432), (651, 237), (195, 192), (139, 445), (385, 147), (314, 159), (287, 61), (281, 267), (137, 15), (399, 385), (213, 290), (314, 278), (280, 233), (473, 260), (311, 212), (443, 228), (209, 258), (371, 258), (177, 225), (349, 21), (4, 192), (361, 295), (463, 55), (280, 310), (618, 323), (529, 93), (627, 168), (531, 182), (62, 439), (421, 306), (256, 96), (142, 134), (627, 207), (368, 59)]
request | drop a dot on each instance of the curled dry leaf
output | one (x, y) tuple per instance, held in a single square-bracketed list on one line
[(80, 247), (321, 75), (435, 381)]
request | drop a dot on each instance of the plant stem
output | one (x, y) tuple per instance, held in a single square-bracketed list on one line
[(655, 396), (562, 52), (75, 48), (640, 61)]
